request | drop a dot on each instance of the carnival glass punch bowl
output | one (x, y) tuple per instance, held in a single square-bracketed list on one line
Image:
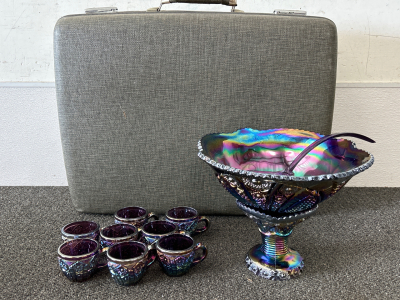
[(278, 177)]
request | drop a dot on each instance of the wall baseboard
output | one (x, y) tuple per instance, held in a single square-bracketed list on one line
[(27, 84), (368, 84), (338, 84)]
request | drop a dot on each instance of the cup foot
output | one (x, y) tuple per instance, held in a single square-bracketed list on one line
[(283, 267)]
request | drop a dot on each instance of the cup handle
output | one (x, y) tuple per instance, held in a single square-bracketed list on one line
[(204, 253), (141, 236), (103, 257), (152, 215), (205, 227), (151, 256)]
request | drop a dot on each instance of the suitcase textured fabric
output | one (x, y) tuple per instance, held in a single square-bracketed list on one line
[(137, 90)]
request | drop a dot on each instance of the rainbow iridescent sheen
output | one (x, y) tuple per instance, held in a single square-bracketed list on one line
[(128, 262), (272, 151), (80, 230), (273, 259), (153, 231), (176, 265), (118, 233), (250, 163), (127, 274), (177, 254), (278, 177), (187, 219), (133, 215), (79, 259)]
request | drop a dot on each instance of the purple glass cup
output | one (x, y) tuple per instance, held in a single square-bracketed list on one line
[(128, 261), (118, 233), (79, 259), (177, 254), (187, 219), (153, 231), (134, 215), (80, 230)]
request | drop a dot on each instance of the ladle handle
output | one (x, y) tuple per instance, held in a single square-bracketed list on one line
[(290, 168)]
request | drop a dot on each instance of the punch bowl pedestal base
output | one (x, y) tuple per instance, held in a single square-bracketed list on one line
[(273, 259)]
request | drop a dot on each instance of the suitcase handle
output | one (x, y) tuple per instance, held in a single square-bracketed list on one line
[(232, 3), (223, 2)]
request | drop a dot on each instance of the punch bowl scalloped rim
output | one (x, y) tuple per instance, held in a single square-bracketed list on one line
[(232, 170)]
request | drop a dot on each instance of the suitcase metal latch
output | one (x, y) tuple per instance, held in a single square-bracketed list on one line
[(101, 10), (290, 12)]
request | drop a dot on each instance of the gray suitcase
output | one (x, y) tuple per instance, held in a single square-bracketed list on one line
[(137, 90)]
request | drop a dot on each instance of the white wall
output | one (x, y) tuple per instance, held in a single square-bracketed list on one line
[(366, 102), (369, 33), (30, 145)]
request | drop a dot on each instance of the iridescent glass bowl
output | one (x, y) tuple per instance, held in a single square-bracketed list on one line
[(278, 177)]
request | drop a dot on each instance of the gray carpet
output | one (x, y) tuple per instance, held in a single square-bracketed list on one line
[(351, 250)]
